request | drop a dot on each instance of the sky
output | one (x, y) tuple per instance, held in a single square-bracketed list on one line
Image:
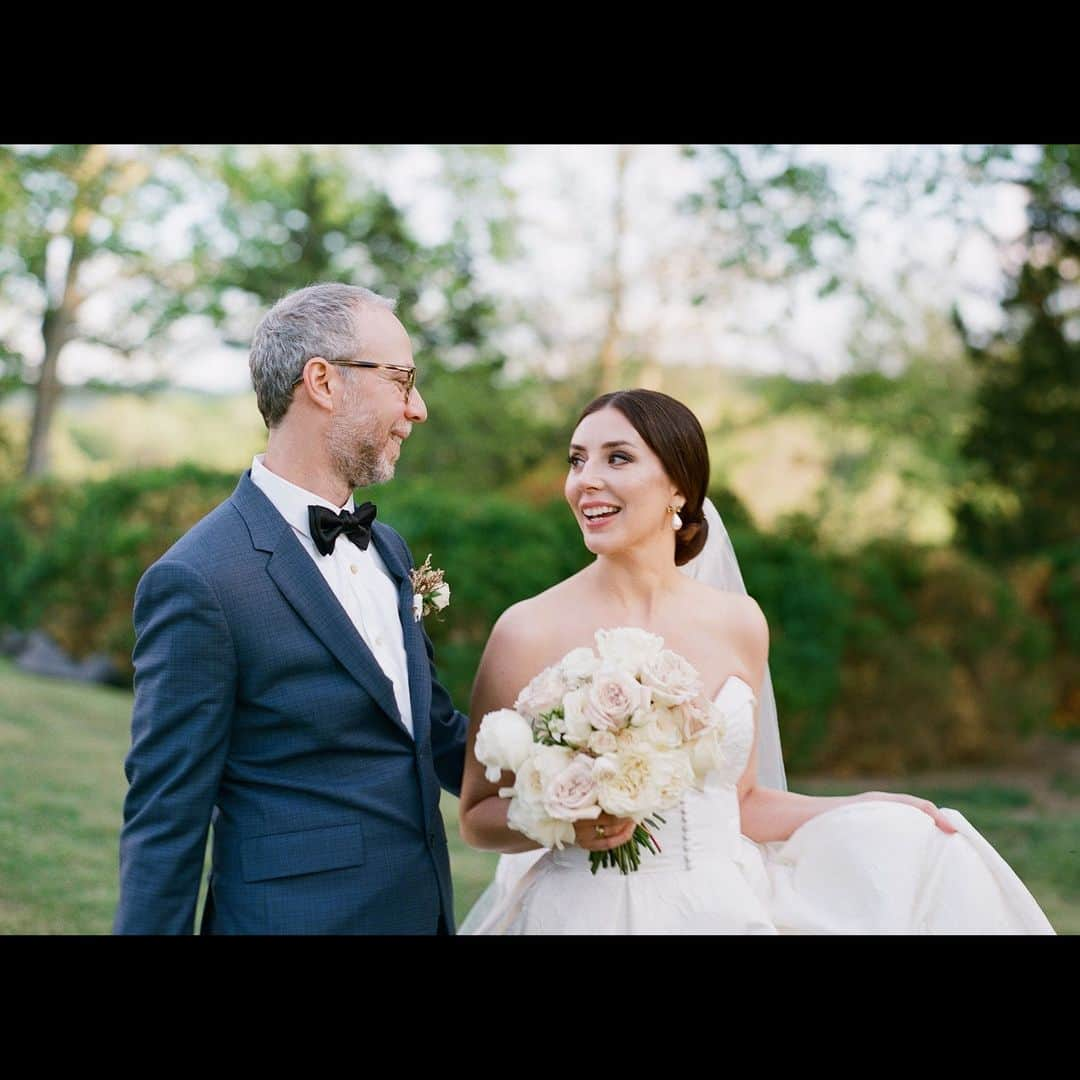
[(564, 198)]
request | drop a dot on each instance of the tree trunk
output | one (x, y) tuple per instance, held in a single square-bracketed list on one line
[(59, 320), (46, 393), (610, 365)]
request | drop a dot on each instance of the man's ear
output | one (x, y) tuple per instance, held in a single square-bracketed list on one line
[(315, 382)]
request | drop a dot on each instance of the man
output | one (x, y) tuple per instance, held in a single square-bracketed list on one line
[(284, 689)]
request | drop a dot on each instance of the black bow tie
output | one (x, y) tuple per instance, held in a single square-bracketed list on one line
[(326, 526)]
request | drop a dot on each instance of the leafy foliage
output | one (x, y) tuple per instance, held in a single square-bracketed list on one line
[(484, 433), (289, 218), (76, 553), (773, 214), (889, 658), (116, 247), (1025, 437)]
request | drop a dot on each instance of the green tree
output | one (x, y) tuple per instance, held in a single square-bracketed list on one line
[(287, 218), (114, 246), (80, 250), (773, 213), (1025, 436)]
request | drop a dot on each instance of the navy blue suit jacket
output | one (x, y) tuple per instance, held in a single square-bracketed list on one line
[(259, 709)]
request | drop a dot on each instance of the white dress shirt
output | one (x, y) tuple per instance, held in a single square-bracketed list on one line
[(359, 580)]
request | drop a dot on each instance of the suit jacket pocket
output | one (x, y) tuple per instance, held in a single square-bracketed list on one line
[(305, 852)]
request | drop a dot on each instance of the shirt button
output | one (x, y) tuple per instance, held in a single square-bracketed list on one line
[(353, 567)]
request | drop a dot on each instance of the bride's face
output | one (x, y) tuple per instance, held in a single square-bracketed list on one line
[(616, 486)]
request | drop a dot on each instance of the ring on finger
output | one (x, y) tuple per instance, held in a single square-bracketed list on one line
[(600, 831)]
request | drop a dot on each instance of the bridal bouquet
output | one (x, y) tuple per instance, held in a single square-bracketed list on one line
[(622, 729)]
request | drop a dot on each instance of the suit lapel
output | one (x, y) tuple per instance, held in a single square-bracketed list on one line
[(297, 577), (415, 651)]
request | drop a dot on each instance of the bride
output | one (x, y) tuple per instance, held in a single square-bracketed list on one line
[(743, 854)]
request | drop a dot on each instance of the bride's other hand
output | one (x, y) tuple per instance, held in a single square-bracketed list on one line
[(925, 805), (603, 833)]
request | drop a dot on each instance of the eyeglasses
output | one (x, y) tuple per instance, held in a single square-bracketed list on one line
[(406, 385)]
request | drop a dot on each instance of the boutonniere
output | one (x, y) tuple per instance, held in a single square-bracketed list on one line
[(430, 591)]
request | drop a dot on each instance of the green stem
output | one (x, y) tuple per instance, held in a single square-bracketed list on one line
[(626, 858)]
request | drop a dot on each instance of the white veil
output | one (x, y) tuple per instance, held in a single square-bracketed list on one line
[(715, 565)]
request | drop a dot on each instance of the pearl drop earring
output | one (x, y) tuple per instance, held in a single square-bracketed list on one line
[(676, 521)]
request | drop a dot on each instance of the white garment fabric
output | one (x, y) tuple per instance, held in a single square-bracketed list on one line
[(716, 565), (865, 867), (359, 580)]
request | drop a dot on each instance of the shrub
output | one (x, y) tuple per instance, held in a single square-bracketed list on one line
[(888, 659)]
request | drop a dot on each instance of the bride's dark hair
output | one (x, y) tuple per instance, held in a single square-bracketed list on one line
[(675, 436)]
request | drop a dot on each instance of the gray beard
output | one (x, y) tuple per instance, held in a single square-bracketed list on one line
[(354, 456)]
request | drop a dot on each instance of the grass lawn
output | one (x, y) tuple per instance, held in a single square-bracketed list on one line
[(62, 784)]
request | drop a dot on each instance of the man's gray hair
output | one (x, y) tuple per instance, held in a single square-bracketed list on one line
[(321, 320)]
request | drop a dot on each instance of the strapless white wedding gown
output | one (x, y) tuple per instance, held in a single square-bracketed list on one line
[(867, 866)]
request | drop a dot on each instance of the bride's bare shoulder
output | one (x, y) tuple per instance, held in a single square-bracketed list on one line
[(734, 614), (532, 621), (527, 637)]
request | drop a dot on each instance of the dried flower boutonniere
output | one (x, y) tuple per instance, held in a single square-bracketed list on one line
[(430, 591)]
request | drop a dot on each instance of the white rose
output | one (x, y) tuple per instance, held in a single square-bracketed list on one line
[(504, 741), (697, 716), (706, 752), (603, 742), (571, 795), (576, 726), (549, 761), (536, 773), (646, 713), (660, 727), (673, 774), (605, 767), (629, 792), (441, 596), (528, 786), (672, 678), (530, 819), (613, 698), (578, 666), (628, 647), (633, 738), (543, 694)]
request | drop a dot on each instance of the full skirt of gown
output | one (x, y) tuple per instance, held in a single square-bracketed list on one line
[(870, 866)]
